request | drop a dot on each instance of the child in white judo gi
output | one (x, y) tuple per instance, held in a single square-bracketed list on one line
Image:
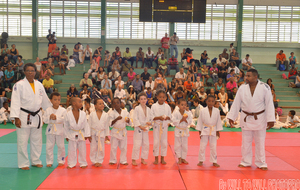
[(77, 130), (161, 115), (54, 117), (142, 122), (278, 124), (292, 121), (99, 124), (119, 119), (181, 119), (209, 124), (5, 113)]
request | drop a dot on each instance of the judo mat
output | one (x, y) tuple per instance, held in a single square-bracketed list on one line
[(282, 157)]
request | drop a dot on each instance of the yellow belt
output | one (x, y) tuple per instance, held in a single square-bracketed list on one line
[(79, 131), (211, 128), (54, 127), (99, 141), (183, 130), (122, 129)]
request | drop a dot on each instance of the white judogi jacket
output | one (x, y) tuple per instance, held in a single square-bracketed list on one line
[(99, 127), (73, 129), (119, 128), (24, 97), (55, 127), (182, 129), (262, 99), (289, 120), (139, 118), (208, 125), (4, 114), (161, 110)]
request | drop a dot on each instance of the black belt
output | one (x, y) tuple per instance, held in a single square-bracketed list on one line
[(33, 114)]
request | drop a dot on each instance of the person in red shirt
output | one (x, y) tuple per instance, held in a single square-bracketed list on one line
[(165, 45), (281, 59), (172, 64), (189, 86)]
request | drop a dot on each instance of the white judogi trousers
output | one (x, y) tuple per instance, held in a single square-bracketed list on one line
[(72, 153), (114, 144), (140, 139), (181, 147), (259, 140), (60, 142), (95, 155), (35, 136), (163, 141), (212, 145)]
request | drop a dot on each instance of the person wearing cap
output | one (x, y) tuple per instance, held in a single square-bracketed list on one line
[(189, 57), (281, 59), (247, 63), (140, 57), (173, 45), (87, 54), (165, 45), (128, 56)]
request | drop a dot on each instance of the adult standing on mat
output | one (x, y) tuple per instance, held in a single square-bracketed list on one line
[(255, 100), (173, 45), (28, 97)]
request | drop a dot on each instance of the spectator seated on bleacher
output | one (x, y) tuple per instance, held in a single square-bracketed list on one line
[(125, 68), (113, 75), (188, 58), (119, 82), (140, 57), (120, 93), (225, 54), (71, 93), (87, 81), (292, 59), (4, 51), (64, 49), (149, 58), (43, 73), (97, 56), (107, 85), (50, 66), (234, 57), (160, 83), (3, 97), (131, 76), (204, 57), (63, 63), (130, 96), (232, 66), (247, 63), (231, 96), (138, 84), (8, 77), (281, 60), (118, 55), (127, 56), (20, 65), (87, 54), (48, 84), (214, 73), (93, 70), (55, 54), (193, 69), (158, 56), (85, 93), (180, 75), (231, 84), (116, 66), (13, 53), (297, 81), (5, 62), (269, 82), (191, 76), (204, 74), (150, 83), (221, 60), (293, 72), (222, 73), (173, 64), (145, 75), (163, 64)]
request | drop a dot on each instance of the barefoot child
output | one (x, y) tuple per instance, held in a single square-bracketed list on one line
[(99, 124), (181, 119), (119, 119), (209, 124), (54, 117), (76, 130), (142, 122), (5, 113), (161, 115)]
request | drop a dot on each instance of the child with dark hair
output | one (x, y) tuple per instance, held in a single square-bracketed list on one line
[(292, 121), (54, 117)]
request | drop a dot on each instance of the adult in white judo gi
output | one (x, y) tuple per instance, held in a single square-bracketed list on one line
[(28, 96), (142, 122), (255, 100)]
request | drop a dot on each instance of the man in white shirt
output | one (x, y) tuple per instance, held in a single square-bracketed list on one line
[(149, 58), (149, 83), (221, 60), (87, 53), (120, 93), (180, 76), (247, 63), (113, 75)]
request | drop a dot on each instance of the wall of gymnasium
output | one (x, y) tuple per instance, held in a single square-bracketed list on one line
[(260, 52)]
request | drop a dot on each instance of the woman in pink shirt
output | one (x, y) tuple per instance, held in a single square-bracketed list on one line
[(131, 76), (231, 84)]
